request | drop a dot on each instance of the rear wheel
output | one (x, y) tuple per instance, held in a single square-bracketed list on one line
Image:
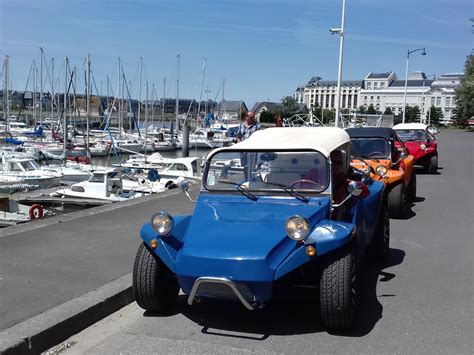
[(397, 201), (154, 285), (338, 292), (433, 165), (380, 245), (411, 190)]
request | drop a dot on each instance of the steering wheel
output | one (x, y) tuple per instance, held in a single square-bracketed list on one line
[(304, 181), (375, 153)]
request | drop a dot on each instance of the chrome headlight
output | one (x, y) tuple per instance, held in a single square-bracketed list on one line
[(162, 222), (422, 146), (381, 170), (297, 228)]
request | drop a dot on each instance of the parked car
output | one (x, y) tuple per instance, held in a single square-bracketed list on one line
[(383, 154), (283, 207), (420, 143)]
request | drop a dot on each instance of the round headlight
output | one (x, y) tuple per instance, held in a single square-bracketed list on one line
[(162, 222), (422, 146), (297, 228), (381, 170)]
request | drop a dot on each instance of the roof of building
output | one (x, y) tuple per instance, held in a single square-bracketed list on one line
[(410, 126), (321, 139), (270, 106), (379, 75), (228, 105), (411, 83), (370, 132), (334, 83)]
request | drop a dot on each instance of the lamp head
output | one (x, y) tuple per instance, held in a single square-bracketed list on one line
[(424, 52)]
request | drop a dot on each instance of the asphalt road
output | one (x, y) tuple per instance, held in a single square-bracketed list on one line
[(419, 302), (73, 254)]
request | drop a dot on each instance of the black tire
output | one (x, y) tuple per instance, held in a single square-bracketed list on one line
[(380, 245), (154, 285), (433, 165), (397, 201), (411, 190), (338, 292)]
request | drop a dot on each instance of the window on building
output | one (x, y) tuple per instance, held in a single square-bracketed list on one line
[(365, 98), (433, 101), (375, 85), (448, 101), (371, 98), (438, 101), (378, 98), (369, 86), (382, 85)]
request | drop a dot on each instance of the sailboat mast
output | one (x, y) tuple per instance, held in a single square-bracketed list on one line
[(35, 77), (88, 94), (65, 106), (177, 92), (140, 91), (200, 95), (52, 90), (120, 99), (41, 86), (7, 96)]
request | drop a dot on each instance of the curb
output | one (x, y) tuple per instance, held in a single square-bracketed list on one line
[(50, 328)]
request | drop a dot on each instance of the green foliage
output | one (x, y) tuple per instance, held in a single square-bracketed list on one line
[(289, 103), (465, 95), (412, 114), (388, 111), (361, 109), (267, 117), (435, 115), (371, 110)]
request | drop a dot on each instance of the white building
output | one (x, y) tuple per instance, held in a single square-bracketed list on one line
[(323, 93), (384, 90)]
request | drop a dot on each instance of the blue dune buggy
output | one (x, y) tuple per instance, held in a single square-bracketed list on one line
[(283, 207)]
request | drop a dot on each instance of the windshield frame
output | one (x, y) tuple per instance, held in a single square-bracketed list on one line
[(400, 136), (269, 189)]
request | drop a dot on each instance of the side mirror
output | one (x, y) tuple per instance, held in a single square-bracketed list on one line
[(358, 189), (403, 155)]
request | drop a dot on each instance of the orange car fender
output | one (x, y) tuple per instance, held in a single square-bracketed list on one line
[(409, 162), (393, 176)]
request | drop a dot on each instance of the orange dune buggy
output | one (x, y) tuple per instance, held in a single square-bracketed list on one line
[(382, 154)]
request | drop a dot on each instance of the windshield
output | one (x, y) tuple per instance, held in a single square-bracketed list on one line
[(407, 135), (371, 147), (267, 171)]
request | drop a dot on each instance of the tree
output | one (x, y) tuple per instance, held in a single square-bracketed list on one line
[(465, 94), (412, 114), (361, 109), (435, 114), (371, 110), (289, 103), (388, 111)]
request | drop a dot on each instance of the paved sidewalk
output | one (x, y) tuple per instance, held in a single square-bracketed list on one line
[(47, 263)]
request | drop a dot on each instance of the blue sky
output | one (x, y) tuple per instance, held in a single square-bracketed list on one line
[(264, 49)]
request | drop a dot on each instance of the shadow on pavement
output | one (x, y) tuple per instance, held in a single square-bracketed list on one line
[(296, 314)]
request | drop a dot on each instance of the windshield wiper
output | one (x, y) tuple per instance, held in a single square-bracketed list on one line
[(240, 189), (290, 191)]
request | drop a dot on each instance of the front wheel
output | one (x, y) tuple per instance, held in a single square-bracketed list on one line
[(433, 165), (154, 285), (397, 201), (411, 190), (338, 292)]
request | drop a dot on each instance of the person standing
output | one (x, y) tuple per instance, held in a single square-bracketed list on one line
[(247, 128), (278, 121)]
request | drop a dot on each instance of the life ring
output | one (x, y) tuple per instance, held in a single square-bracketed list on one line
[(35, 211), (170, 185)]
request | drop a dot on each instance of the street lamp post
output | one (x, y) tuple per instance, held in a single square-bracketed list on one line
[(340, 32), (406, 79), (423, 105)]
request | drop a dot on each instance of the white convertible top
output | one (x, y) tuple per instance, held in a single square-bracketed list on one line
[(321, 139), (410, 126)]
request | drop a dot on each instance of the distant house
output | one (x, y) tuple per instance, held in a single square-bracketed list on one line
[(231, 109)]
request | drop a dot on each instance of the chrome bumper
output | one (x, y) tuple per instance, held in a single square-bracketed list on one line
[(221, 281)]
